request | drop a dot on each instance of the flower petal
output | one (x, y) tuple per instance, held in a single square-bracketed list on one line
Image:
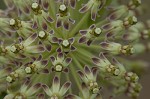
[(9, 96), (25, 86), (86, 7), (67, 61), (26, 10), (101, 56), (65, 70), (65, 88), (41, 96), (47, 90), (66, 25), (92, 26), (104, 44), (73, 48), (45, 71), (35, 49), (89, 42), (107, 26), (87, 70), (35, 25), (20, 56), (95, 72), (9, 3), (44, 62), (109, 34), (83, 32), (82, 76), (58, 22), (32, 90), (93, 13), (59, 50), (73, 3), (71, 96), (56, 84), (72, 21), (85, 90), (82, 39), (5, 71), (52, 58), (44, 26), (30, 39), (71, 40), (60, 56), (54, 39), (96, 60), (39, 58), (48, 47), (45, 4)]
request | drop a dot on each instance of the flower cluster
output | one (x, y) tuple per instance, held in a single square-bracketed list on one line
[(48, 43)]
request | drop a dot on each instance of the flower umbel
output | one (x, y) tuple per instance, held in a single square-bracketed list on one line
[(83, 45)]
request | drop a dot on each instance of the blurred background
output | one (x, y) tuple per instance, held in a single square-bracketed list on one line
[(145, 79)]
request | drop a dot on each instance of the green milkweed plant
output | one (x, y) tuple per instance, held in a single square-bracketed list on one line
[(71, 49)]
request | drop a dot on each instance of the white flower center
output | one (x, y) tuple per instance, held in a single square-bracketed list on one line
[(12, 22), (116, 72), (134, 19), (139, 1), (65, 43), (19, 97), (9, 79), (98, 31), (132, 50), (28, 70), (62, 7), (42, 34), (13, 49), (59, 68), (95, 90), (54, 97), (35, 5)]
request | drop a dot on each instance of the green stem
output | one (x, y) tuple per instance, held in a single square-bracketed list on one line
[(76, 61), (99, 24), (67, 77), (84, 59), (79, 25), (75, 77), (53, 8), (84, 52), (93, 47)]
